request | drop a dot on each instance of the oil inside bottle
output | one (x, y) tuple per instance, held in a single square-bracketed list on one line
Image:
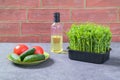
[(56, 43)]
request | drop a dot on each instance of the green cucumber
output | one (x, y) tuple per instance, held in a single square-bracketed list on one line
[(15, 57), (26, 53), (34, 57)]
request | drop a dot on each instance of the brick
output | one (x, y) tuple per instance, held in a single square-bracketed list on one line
[(45, 38), (63, 3), (19, 39), (67, 26), (103, 3), (12, 15), (45, 15), (19, 3), (94, 15), (116, 38), (65, 38), (36, 28), (9, 29), (115, 28)]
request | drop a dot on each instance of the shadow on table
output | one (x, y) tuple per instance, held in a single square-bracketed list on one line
[(45, 64), (113, 61)]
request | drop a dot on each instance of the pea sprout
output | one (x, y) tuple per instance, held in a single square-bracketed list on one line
[(89, 37)]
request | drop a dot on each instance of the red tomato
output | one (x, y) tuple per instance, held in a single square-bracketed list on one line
[(20, 48), (38, 50)]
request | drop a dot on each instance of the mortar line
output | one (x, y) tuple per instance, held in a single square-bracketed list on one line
[(41, 7), (40, 3), (85, 4), (27, 15), (9, 35), (20, 26), (70, 15)]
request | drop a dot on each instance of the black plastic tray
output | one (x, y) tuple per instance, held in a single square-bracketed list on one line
[(89, 57)]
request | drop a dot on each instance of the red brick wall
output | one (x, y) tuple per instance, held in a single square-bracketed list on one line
[(30, 20)]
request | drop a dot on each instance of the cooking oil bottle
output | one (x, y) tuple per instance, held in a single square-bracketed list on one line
[(56, 34)]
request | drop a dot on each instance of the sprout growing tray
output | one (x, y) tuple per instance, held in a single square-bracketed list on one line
[(89, 57)]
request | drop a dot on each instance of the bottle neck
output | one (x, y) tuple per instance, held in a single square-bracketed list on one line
[(57, 17)]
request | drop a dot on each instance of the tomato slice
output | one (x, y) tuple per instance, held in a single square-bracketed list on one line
[(38, 50), (20, 48)]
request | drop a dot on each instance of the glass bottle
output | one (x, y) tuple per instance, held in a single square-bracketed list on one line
[(56, 34)]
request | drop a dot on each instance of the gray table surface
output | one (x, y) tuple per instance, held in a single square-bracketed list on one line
[(59, 66)]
